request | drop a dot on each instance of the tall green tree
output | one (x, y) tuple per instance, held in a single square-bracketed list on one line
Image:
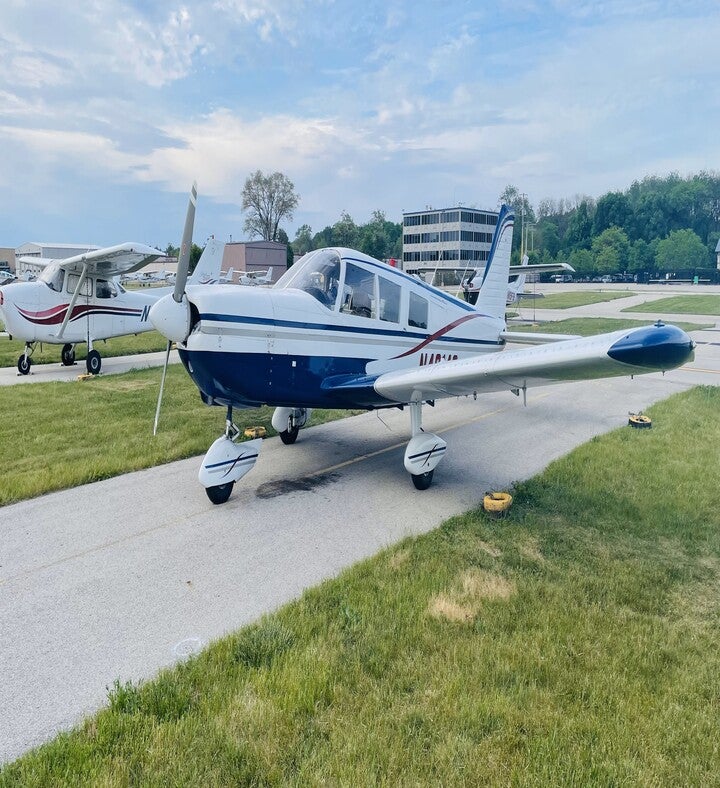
[(611, 251), (579, 231), (345, 231), (268, 199), (681, 250), (303, 240)]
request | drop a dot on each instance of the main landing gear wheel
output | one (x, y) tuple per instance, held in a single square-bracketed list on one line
[(67, 355), (220, 493), (289, 436), (23, 365), (93, 362), (422, 480)]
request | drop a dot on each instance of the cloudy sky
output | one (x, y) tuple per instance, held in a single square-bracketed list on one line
[(109, 111)]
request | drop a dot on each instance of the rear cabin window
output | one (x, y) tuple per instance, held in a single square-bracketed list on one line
[(359, 292), (389, 300), (418, 311)]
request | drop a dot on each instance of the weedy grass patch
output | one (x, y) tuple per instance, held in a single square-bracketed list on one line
[(587, 651)]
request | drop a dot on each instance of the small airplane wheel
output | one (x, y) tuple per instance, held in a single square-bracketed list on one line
[(289, 436), (220, 493), (93, 362), (67, 355), (24, 365), (422, 480)]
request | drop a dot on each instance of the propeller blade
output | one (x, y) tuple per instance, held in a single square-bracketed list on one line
[(162, 386), (186, 246)]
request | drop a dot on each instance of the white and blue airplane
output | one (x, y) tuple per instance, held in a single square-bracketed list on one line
[(342, 330), (80, 299)]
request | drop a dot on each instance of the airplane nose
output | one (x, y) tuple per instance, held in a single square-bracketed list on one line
[(171, 318), (659, 347)]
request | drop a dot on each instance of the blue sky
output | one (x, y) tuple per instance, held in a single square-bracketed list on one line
[(109, 111)]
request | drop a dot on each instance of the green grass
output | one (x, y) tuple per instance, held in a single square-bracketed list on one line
[(680, 305), (589, 326), (147, 342), (575, 642), (59, 435), (571, 299)]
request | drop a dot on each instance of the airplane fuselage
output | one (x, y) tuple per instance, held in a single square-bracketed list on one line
[(284, 347), (33, 312)]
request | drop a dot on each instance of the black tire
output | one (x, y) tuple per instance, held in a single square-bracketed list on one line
[(24, 365), (289, 436), (220, 493), (93, 362), (422, 480), (67, 355)]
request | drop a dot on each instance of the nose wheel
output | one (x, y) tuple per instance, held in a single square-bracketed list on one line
[(24, 364)]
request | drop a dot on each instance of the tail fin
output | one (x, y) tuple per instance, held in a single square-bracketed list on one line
[(516, 286), (492, 280), (268, 276), (207, 271)]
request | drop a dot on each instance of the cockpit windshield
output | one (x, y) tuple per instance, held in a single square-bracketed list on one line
[(317, 273), (52, 275)]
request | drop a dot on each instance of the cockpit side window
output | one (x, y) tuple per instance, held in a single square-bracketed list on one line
[(359, 292), (389, 300), (105, 289), (72, 283), (418, 311)]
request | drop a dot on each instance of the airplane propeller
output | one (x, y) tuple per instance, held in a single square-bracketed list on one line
[(171, 314)]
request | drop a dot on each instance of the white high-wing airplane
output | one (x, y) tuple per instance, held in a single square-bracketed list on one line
[(6, 277), (343, 330), (256, 277), (80, 299)]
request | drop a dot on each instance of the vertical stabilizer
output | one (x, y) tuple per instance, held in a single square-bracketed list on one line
[(207, 271), (492, 280), (516, 287)]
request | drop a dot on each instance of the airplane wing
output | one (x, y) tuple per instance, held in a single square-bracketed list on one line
[(541, 268), (113, 260), (640, 350)]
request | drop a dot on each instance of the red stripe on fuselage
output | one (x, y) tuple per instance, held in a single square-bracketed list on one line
[(449, 327)]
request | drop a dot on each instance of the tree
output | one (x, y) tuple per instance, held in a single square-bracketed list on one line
[(681, 250), (579, 232), (345, 231), (611, 210), (303, 240), (582, 261), (268, 199), (282, 238), (611, 251)]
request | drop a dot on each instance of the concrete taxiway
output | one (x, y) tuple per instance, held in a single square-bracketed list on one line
[(113, 365), (116, 579)]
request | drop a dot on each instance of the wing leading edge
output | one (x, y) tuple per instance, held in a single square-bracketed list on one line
[(649, 349), (113, 260)]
